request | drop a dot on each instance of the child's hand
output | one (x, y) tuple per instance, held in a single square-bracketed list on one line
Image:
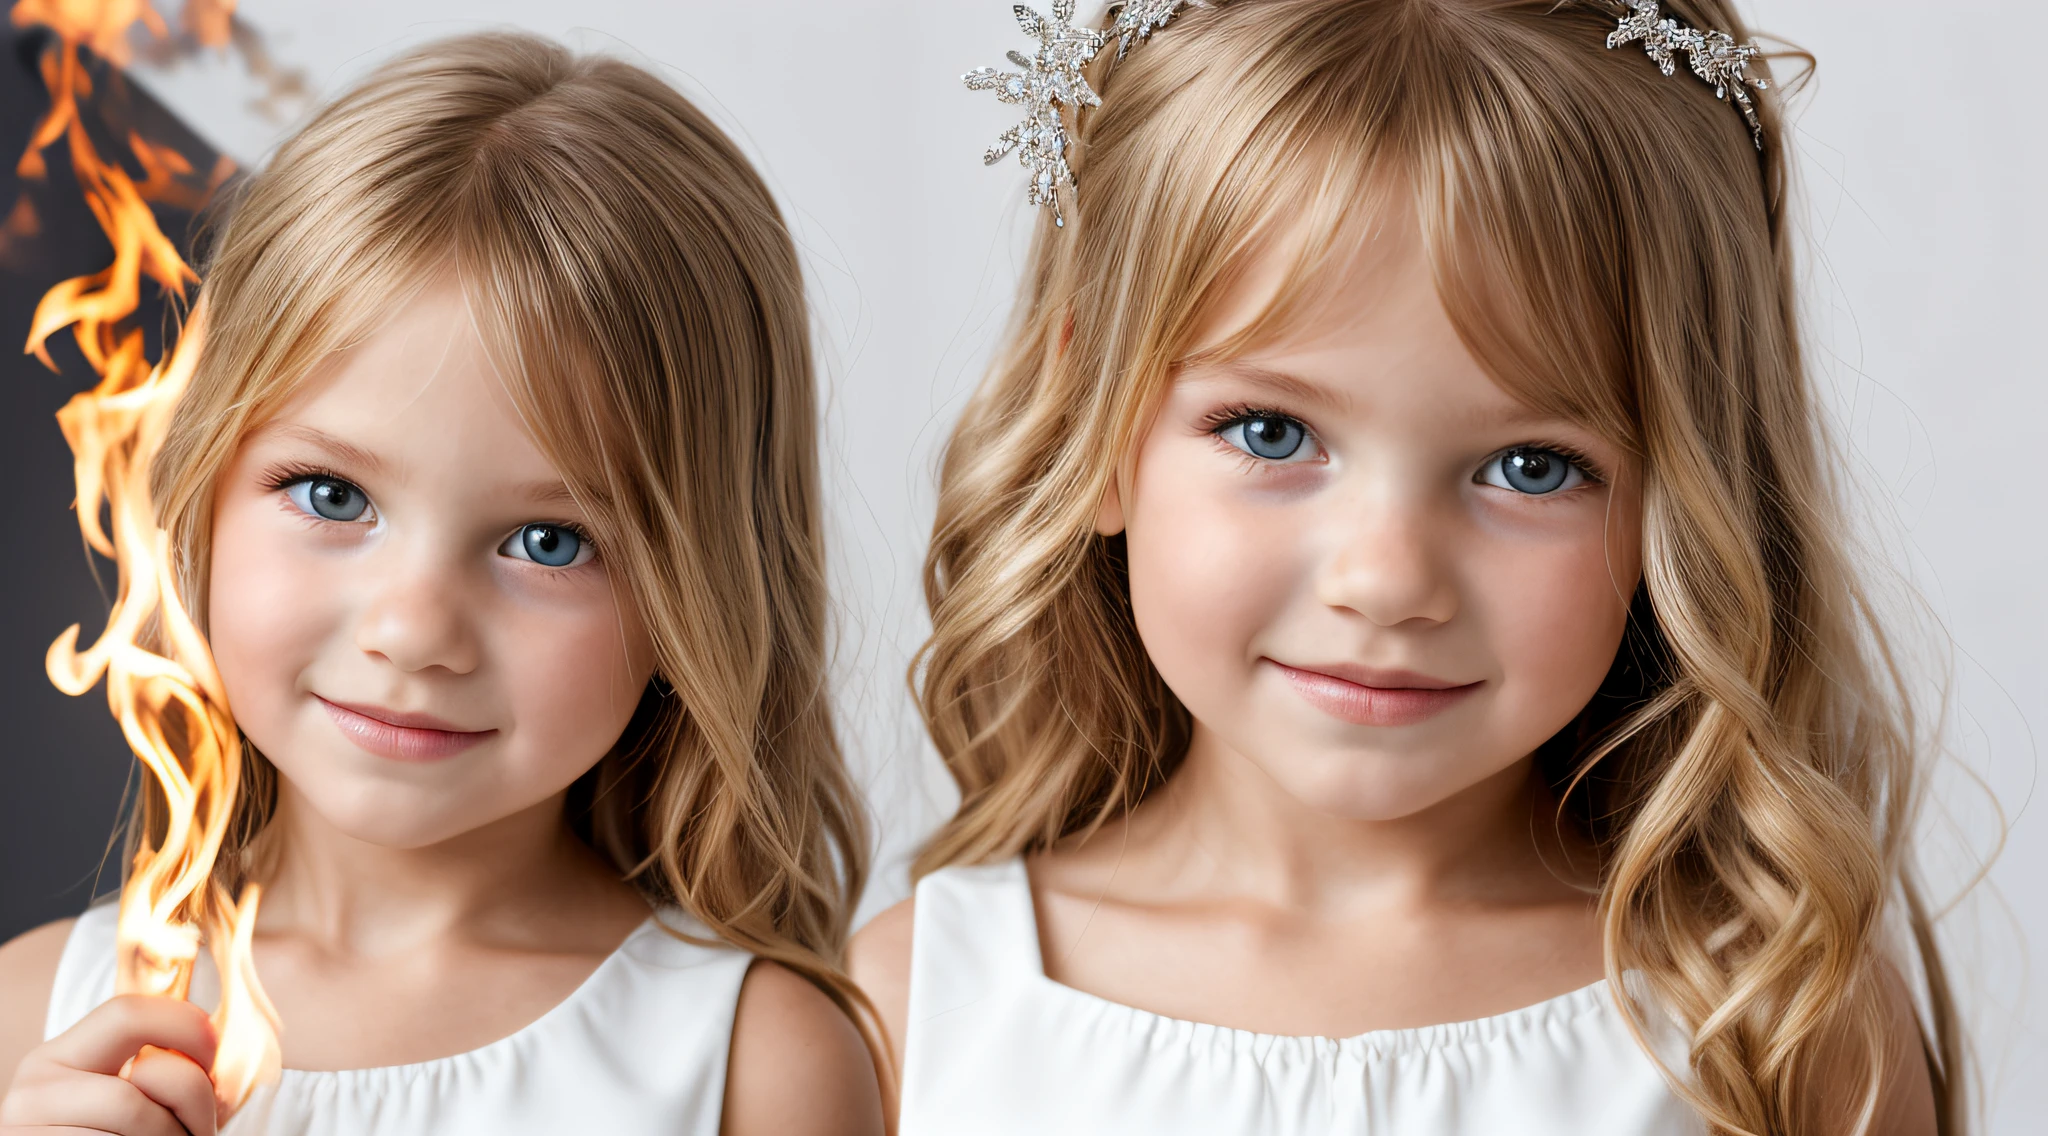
[(135, 1066)]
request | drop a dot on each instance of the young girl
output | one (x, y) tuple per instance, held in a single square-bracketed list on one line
[(1391, 628), (495, 493)]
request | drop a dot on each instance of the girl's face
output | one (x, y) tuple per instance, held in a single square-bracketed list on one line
[(1363, 566), (406, 613)]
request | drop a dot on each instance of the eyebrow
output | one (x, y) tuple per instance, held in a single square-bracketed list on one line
[(1518, 415), (348, 452), (554, 492), (546, 493), (1279, 382)]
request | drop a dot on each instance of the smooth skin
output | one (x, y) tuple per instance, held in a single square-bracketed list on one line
[(416, 908), (1312, 869)]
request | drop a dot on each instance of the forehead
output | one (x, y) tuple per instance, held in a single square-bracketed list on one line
[(1297, 286), (418, 393), (1321, 332), (1355, 303)]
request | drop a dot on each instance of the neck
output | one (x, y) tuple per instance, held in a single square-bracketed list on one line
[(371, 899), (1223, 824)]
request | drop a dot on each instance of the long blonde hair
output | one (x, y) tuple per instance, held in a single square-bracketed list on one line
[(1612, 245), (637, 287)]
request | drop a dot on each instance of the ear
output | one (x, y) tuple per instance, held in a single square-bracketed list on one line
[(1109, 516)]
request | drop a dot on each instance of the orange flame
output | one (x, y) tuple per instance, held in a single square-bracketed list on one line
[(161, 681), (102, 25)]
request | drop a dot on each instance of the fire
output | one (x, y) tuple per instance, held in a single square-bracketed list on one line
[(161, 681)]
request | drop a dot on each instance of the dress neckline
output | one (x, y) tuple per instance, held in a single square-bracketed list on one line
[(569, 1005), (1591, 998)]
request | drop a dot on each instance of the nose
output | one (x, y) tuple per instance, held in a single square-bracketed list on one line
[(414, 618), (1387, 565)]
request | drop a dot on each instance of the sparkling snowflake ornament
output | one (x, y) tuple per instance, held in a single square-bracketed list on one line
[(1715, 56), (1051, 78), (1137, 19)]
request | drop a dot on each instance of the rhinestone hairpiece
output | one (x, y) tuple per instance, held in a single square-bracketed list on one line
[(1715, 56), (1136, 19), (1051, 78)]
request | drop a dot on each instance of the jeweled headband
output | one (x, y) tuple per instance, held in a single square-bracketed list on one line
[(1051, 77)]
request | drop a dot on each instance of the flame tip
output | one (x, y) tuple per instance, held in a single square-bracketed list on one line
[(170, 900)]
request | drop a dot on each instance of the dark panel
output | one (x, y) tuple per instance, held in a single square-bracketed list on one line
[(63, 764)]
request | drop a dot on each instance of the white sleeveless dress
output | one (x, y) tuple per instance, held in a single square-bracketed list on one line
[(994, 1047), (640, 1047)]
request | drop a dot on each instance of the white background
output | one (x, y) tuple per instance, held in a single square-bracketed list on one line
[(1924, 172)]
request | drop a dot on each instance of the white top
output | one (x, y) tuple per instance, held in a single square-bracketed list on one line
[(996, 1047), (640, 1047)]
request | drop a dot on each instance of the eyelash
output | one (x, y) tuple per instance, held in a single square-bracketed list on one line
[(1223, 418), (283, 477), (1568, 452), (1217, 421)]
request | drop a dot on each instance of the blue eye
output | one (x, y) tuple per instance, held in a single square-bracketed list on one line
[(553, 546), (1273, 437), (1533, 471), (329, 498)]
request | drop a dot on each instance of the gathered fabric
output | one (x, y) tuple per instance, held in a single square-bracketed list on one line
[(639, 1047), (995, 1047)]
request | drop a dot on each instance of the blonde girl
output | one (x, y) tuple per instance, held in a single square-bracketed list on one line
[(1392, 632), (495, 492)]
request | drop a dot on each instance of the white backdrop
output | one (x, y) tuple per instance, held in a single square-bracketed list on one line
[(1925, 175)]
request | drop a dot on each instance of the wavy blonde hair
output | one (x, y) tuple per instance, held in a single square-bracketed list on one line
[(1611, 244), (636, 286)]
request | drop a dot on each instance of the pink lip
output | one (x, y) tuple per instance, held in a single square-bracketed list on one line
[(400, 737), (1367, 697)]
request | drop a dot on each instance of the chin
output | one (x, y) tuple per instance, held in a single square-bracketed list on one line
[(398, 829), (406, 834), (1367, 787), (397, 817)]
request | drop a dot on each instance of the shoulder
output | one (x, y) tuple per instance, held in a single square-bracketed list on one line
[(1905, 1104), (879, 955), (798, 1065), (879, 960), (28, 971)]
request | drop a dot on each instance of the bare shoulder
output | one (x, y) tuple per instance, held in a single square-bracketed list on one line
[(1905, 1104), (798, 1065), (879, 960), (28, 970)]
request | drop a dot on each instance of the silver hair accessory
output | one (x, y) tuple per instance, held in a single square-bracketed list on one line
[(1715, 56), (1136, 19), (1051, 77)]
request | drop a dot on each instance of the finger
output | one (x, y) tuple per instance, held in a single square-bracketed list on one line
[(174, 1081), (91, 1102), (118, 1028)]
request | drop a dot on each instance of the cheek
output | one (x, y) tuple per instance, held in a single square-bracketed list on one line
[(1208, 570), (572, 678), (1555, 619), (268, 612)]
